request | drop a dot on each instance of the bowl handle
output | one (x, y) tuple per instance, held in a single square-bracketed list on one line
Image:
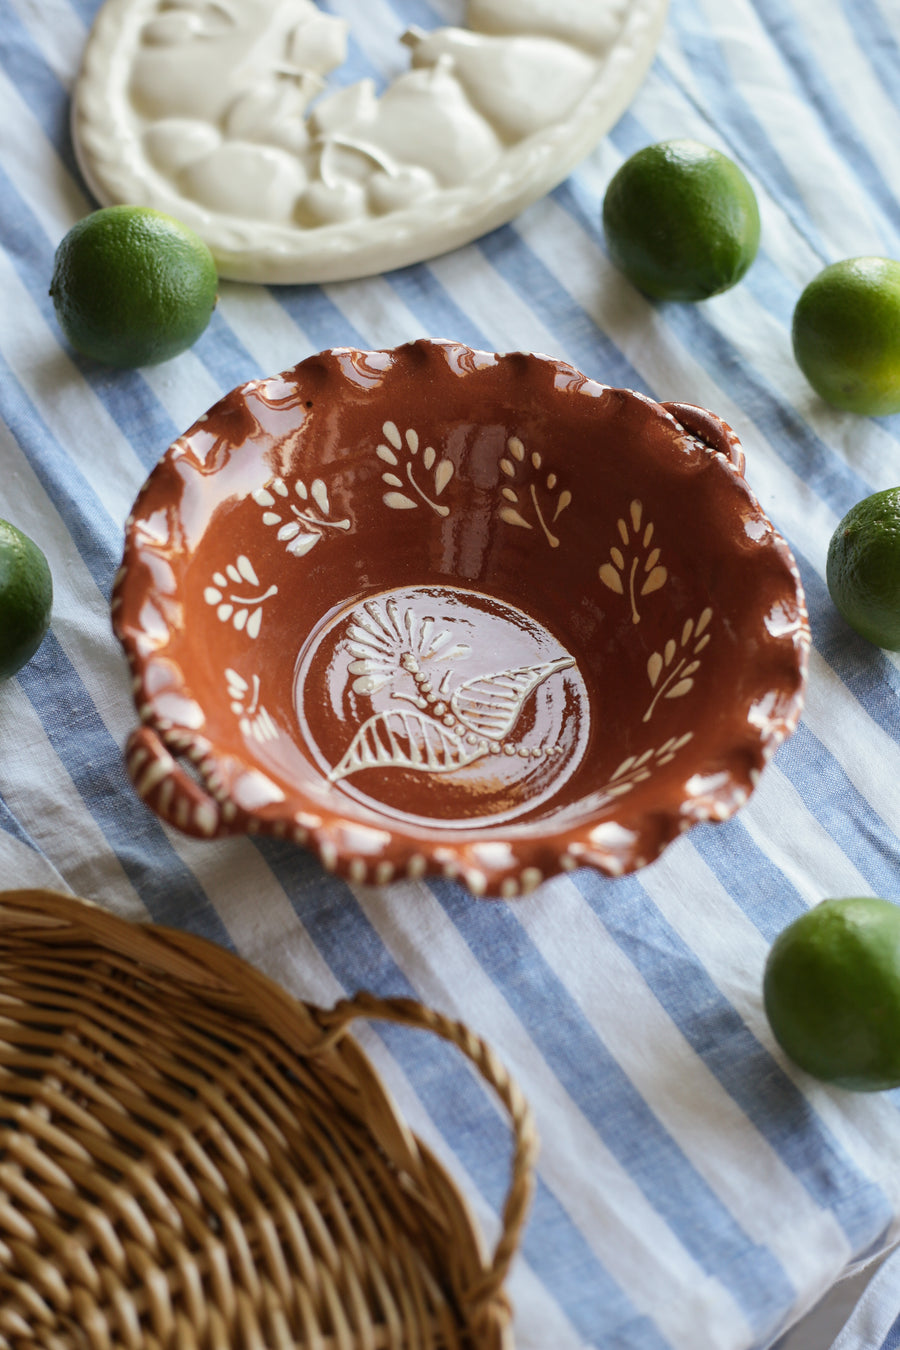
[(485, 1301), (709, 429), (168, 789)]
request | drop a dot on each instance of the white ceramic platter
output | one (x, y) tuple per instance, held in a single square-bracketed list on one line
[(214, 112)]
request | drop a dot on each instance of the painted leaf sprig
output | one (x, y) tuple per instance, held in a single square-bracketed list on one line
[(639, 768), (407, 467), (237, 595), (253, 719), (671, 672), (541, 496), (636, 571), (302, 522)]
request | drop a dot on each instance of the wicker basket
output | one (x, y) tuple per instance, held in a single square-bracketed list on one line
[(189, 1157)]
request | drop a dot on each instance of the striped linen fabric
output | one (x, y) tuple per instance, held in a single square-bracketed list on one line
[(693, 1190), (874, 1324)]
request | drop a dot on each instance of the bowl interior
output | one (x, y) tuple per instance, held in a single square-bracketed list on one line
[(446, 595)]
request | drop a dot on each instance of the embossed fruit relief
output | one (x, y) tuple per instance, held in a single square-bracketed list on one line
[(255, 122)]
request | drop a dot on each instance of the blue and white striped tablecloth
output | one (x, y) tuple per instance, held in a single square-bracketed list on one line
[(693, 1190)]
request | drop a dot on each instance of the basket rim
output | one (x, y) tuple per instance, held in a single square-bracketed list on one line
[(231, 984)]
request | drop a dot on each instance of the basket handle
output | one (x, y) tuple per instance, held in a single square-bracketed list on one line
[(486, 1298), (168, 789)]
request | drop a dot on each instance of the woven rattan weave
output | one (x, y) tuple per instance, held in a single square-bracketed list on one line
[(191, 1158)]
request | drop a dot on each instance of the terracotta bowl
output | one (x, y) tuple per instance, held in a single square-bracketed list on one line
[(435, 610)]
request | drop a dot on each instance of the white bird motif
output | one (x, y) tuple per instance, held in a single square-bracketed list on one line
[(480, 714)]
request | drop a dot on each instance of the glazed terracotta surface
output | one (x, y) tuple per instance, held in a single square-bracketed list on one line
[(438, 610)]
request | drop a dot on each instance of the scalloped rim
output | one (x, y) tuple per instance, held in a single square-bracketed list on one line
[(345, 847)]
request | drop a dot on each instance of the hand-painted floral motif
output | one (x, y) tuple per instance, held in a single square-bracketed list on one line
[(671, 678), (382, 639), (452, 723), (244, 610), (540, 494), (401, 453), (253, 719), (638, 567), (301, 523), (639, 768)]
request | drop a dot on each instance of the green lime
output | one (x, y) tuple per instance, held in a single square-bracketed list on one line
[(862, 569), (681, 221), (846, 335), (831, 991), (132, 286), (26, 598)]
